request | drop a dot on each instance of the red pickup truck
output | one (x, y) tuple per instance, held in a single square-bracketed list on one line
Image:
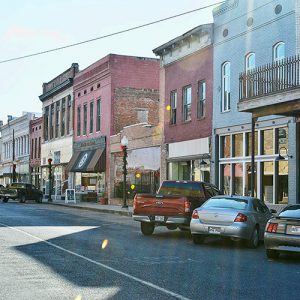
[(172, 206)]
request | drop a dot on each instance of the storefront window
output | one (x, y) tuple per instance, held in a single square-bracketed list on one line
[(283, 168), (282, 138), (268, 144), (225, 178), (267, 181), (238, 179), (238, 145), (249, 143), (225, 146), (201, 172), (248, 172)]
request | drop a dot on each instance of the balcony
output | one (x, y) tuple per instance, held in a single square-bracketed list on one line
[(273, 89)]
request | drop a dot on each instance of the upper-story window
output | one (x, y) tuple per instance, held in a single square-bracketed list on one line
[(98, 114), (91, 117), (225, 86), (250, 61), (279, 51), (187, 103), (173, 107), (201, 99), (78, 121), (84, 119)]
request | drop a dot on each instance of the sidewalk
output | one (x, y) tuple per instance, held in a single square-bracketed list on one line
[(113, 209)]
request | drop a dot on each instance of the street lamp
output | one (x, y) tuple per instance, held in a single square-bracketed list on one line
[(50, 176), (124, 144)]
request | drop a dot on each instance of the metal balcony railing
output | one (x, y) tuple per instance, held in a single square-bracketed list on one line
[(270, 79)]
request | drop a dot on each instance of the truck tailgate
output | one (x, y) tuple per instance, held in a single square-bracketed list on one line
[(157, 205)]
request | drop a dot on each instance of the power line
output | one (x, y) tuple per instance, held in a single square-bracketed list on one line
[(108, 35)]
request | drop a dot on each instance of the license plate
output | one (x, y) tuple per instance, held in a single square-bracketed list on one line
[(159, 218), (214, 230)]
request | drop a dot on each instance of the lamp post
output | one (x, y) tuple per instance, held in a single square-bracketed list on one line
[(50, 176), (124, 144)]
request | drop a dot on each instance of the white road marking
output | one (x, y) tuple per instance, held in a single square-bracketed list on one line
[(146, 283)]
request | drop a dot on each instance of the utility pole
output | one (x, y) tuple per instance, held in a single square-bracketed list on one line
[(13, 157)]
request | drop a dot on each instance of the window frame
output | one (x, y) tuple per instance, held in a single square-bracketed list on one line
[(173, 107), (275, 53), (186, 107), (201, 99), (225, 81)]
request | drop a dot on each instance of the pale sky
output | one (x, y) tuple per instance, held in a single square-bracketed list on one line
[(35, 25)]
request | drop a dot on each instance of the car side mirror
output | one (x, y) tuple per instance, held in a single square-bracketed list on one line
[(273, 211)]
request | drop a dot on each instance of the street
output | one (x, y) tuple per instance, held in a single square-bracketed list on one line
[(53, 252)]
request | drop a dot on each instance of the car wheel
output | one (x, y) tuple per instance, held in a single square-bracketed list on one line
[(254, 239), (5, 200), (22, 199), (198, 238), (147, 228), (272, 253), (171, 226), (39, 199)]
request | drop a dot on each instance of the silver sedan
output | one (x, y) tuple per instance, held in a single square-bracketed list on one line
[(237, 217), (283, 232)]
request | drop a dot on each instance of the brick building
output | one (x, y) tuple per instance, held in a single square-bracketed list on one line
[(36, 134), (112, 93), (57, 141), (186, 87)]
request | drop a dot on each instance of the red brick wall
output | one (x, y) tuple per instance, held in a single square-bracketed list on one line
[(36, 133), (189, 71), (128, 101)]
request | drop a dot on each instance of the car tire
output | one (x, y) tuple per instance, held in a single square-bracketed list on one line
[(198, 239), (147, 228), (272, 253), (171, 226), (22, 199), (254, 239), (39, 199), (5, 200)]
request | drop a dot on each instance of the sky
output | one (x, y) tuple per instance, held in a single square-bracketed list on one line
[(36, 25)]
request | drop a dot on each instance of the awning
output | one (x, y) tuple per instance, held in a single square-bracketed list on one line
[(90, 161)]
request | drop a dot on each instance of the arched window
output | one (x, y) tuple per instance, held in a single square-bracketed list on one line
[(279, 51), (225, 86), (250, 61)]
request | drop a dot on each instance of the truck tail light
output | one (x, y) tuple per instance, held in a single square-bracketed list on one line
[(187, 206), (272, 227), (195, 214), (240, 218)]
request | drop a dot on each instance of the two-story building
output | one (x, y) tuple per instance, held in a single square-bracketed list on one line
[(36, 135), (114, 92), (256, 100), (16, 148), (186, 88), (57, 140)]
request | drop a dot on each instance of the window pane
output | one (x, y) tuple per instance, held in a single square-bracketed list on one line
[(225, 179), (187, 100), (283, 192), (238, 179), (91, 117), (268, 172), (225, 146), (282, 139), (248, 172), (267, 136), (249, 143), (238, 144), (173, 101)]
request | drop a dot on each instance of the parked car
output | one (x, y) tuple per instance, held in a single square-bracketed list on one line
[(172, 206), (236, 217), (283, 232), (22, 192), (1, 186)]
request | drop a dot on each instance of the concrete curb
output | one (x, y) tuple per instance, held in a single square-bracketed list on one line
[(123, 212)]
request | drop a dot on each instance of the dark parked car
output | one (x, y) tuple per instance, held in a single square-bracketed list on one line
[(236, 217), (283, 232), (22, 192)]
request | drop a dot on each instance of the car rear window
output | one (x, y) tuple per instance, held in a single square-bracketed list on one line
[(187, 189), (226, 203), (292, 211)]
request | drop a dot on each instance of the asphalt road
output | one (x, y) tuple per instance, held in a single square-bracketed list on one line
[(52, 252)]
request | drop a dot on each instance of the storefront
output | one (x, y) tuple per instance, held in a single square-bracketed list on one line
[(270, 171), (189, 160), (88, 164)]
